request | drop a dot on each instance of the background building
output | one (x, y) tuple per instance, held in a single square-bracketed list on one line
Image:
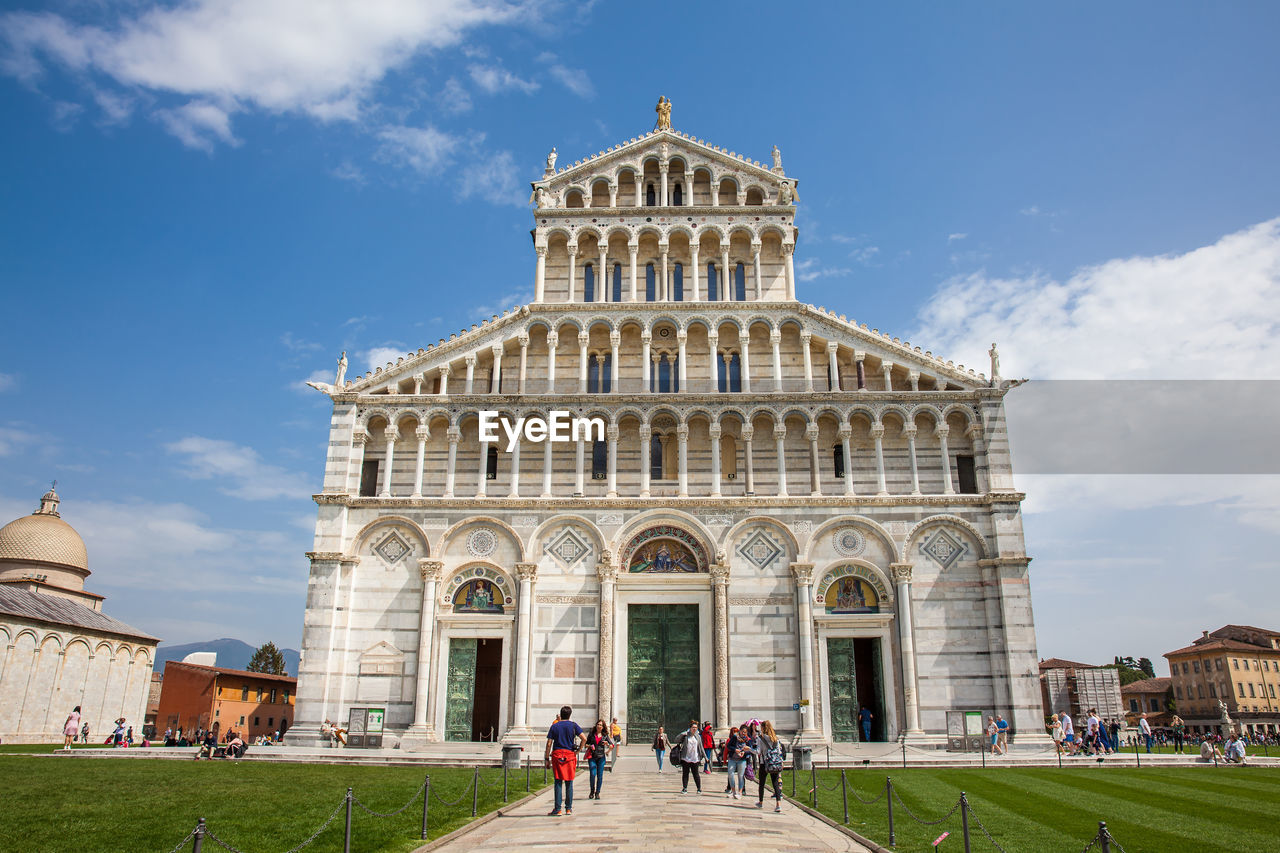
[(786, 514), (1236, 665), (57, 648), (1149, 696), (1077, 687), (204, 697)]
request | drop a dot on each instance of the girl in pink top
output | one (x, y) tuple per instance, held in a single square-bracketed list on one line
[(71, 728)]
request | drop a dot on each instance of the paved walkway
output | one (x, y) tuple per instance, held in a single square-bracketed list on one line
[(642, 810)]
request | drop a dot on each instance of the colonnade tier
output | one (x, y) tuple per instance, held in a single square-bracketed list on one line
[(673, 184), (661, 451), (669, 353)]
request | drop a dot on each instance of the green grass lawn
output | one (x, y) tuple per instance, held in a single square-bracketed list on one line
[(1156, 810), (85, 804)]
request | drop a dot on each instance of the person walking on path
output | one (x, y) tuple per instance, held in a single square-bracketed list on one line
[(564, 739), (1002, 728), (615, 732), (1145, 728), (1068, 732), (71, 727), (736, 760), (660, 746), (599, 742), (994, 734), (864, 719), (770, 754), (1055, 732), (689, 752), (708, 746)]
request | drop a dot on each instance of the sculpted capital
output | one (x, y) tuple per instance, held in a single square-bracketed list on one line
[(430, 569), (526, 571), (803, 573), (901, 572)]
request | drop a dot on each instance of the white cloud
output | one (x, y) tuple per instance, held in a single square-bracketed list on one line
[(242, 470), (454, 99), (1210, 313), (493, 178), (199, 124), (951, 238), (349, 172), (289, 342), (865, 255), (493, 79), (379, 356), (573, 79), (811, 269), (13, 438), (426, 150), (1033, 210), (8, 382), (510, 299)]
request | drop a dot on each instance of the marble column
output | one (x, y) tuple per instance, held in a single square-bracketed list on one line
[(633, 249), (583, 339), (469, 387), (913, 377), (527, 574), (482, 487), (422, 726), (611, 434), (877, 435), (646, 461), (713, 361), (755, 271), (444, 380), (748, 432), (579, 484), (613, 195), (553, 343), (450, 474), (833, 365), (693, 270), (948, 487), (846, 446), (646, 343), (682, 436), (546, 469), (910, 433), (815, 476), (788, 256), (392, 435), (803, 574), (682, 337), (662, 290), (744, 344), (639, 189), (608, 575), (902, 579), (806, 339), (573, 268), (417, 384), (514, 492), (495, 379), (615, 343), (858, 360), (540, 274), (720, 620), (602, 276), (775, 338), (423, 435), (359, 438), (662, 199), (727, 278), (524, 363), (886, 369), (715, 432), (780, 440)]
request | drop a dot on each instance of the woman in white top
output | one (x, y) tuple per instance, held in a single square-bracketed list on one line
[(1055, 731)]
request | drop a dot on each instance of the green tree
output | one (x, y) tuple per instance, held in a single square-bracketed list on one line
[(267, 658), (1146, 666)]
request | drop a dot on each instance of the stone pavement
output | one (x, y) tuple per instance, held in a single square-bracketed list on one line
[(642, 810)]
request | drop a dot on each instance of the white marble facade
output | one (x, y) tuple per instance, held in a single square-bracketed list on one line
[(804, 465)]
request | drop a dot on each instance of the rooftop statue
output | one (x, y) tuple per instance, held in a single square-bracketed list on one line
[(342, 369), (551, 162), (663, 109), (995, 364), (777, 160)]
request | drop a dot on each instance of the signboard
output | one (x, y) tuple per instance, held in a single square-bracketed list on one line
[(795, 706), (365, 726), (965, 731)]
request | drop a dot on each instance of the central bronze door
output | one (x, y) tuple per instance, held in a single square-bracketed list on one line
[(662, 669)]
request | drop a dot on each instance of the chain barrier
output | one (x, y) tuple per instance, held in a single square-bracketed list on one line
[(442, 801), (871, 802), (974, 815), (921, 820), (412, 800), (208, 833), (183, 842), (1092, 842)]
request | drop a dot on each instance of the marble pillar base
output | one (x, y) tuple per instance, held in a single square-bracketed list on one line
[(418, 737)]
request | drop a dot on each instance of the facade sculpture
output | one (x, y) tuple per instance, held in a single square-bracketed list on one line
[(787, 508), (663, 109)]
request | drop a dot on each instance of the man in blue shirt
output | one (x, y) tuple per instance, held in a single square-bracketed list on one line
[(564, 739), (1002, 728), (864, 717)]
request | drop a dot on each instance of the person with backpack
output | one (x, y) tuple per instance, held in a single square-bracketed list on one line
[(689, 752), (736, 761), (597, 747), (660, 746), (771, 753)]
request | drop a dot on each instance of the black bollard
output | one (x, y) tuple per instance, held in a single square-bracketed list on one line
[(1137, 756), (844, 796), (1104, 837), (195, 848), (426, 801), (813, 779), (475, 792), (828, 756), (504, 781), (527, 765), (888, 798), (983, 753), (793, 776), (346, 838), (904, 754), (1059, 756), (964, 820)]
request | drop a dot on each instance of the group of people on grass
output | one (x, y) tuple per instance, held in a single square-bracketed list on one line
[(75, 727), (1096, 737), (752, 752)]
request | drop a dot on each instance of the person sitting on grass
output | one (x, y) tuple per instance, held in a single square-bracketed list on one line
[(1235, 750)]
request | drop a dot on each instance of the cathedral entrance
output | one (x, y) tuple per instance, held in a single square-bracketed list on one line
[(662, 669), (855, 680), (474, 689)]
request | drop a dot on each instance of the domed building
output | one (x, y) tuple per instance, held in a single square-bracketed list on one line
[(57, 648)]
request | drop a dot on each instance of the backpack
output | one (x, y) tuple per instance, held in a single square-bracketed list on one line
[(774, 757)]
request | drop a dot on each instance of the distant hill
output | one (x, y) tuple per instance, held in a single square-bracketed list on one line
[(233, 654)]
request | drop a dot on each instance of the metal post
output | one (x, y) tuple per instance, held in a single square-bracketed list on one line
[(1059, 756), (475, 792), (813, 778), (528, 763), (1137, 756), (504, 781), (1104, 836), (964, 820), (844, 796), (828, 756), (888, 798), (982, 750), (904, 753), (426, 801), (200, 829), (346, 838), (793, 775)]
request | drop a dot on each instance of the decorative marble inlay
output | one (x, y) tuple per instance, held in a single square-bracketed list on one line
[(718, 520), (849, 541), (898, 529), (608, 518), (392, 548), (802, 526), (944, 548), (481, 542), (569, 547), (435, 523), (760, 549), (524, 521)]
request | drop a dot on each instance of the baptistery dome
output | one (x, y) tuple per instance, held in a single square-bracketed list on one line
[(42, 546)]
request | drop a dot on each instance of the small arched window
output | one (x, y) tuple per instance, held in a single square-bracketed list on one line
[(655, 457), (491, 464), (837, 458), (735, 373), (677, 196), (650, 196), (677, 283), (729, 457), (617, 282), (664, 374), (740, 282), (650, 284), (711, 283), (593, 375), (589, 283), (599, 460)]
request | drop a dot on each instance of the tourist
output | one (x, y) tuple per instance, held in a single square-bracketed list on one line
[(689, 752), (1055, 732), (1235, 750), (736, 761), (660, 746), (129, 736), (84, 733), (1145, 728), (770, 754), (993, 732), (117, 737), (599, 742), (564, 738), (1179, 733), (1093, 729), (1068, 733), (70, 728), (864, 718), (615, 732), (1002, 727), (1114, 730), (708, 746)]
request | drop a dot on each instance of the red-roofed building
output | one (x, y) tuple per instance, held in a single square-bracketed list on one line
[(1148, 696), (203, 697), (1236, 665)]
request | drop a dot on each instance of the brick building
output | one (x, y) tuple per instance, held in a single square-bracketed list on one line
[(1077, 687), (201, 697), (1148, 696), (1236, 665)]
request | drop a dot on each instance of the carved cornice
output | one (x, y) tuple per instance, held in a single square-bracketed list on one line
[(761, 601), (567, 502), (568, 599)]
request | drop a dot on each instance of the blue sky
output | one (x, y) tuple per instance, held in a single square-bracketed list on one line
[(205, 203)]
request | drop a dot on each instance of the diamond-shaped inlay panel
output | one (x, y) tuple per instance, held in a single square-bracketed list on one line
[(569, 548), (760, 549), (392, 548), (944, 548), (849, 541)]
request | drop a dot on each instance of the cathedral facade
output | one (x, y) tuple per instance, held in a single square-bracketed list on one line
[(772, 511)]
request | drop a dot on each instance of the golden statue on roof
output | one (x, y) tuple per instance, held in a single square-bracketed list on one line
[(663, 109)]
